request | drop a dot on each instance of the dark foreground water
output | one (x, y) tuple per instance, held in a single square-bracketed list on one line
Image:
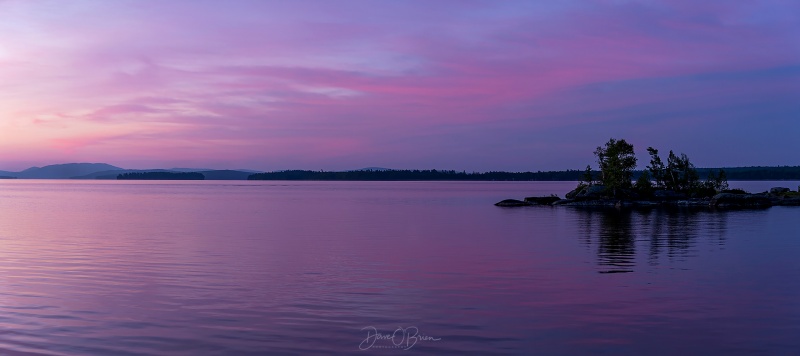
[(197, 268)]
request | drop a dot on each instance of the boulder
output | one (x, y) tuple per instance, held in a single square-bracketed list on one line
[(668, 195), (584, 191), (729, 200), (563, 202), (512, 203), (542, 200), (574, 192), (593, 191)]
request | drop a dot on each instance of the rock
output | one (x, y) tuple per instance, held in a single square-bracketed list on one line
[(574, 192), (591, 197), (512, 203), (734, 191), (667, 195), (729, 200), (631, 194), (563, 202), (594, 203), (542, 200), (787, 201), (627, 204), (778, 190), (593, 191), (691, 203)]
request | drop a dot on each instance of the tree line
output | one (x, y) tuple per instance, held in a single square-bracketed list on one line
[(411, 175), (161, 176), (739, 173)]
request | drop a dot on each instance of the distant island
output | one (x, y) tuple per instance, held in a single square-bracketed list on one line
[(675, 182), (161, 176)]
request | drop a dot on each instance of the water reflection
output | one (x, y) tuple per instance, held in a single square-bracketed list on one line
[(159, 268), (661, 234)]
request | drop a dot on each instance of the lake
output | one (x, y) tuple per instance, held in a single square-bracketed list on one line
[(237, 267)]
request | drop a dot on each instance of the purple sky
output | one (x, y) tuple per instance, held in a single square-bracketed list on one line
[(465, 85)]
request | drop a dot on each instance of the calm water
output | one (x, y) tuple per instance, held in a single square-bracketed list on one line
[(95, 267)]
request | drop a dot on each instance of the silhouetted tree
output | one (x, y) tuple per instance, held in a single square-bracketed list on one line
[(718, 182), (678, 175), (617, 162), (587, 177), (681, 175), (656, 168), (643, 185)]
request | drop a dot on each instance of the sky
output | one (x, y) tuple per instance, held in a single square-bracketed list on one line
[(336, 85)]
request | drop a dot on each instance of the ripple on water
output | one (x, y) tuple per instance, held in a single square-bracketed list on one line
[(253, 268)]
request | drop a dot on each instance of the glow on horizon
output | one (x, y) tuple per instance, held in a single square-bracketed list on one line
[(480, 85)]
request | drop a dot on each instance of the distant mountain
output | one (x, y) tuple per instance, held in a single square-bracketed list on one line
[(379, 169), (8, 174), (63, 171)]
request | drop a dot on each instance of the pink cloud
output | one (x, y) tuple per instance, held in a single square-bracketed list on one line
[(333, 85)]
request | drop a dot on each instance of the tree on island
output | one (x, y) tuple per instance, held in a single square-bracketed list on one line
[(644, 185), (656, 168), (719, 181), (679, 175), (617, 162), (587, 179)]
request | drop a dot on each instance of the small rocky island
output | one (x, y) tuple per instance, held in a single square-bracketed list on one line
[(675, 184)]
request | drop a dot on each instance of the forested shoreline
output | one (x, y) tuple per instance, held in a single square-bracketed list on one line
[(734, 173), (161, 176)]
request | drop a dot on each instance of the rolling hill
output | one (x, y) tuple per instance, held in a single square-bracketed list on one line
[(62, 171)]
